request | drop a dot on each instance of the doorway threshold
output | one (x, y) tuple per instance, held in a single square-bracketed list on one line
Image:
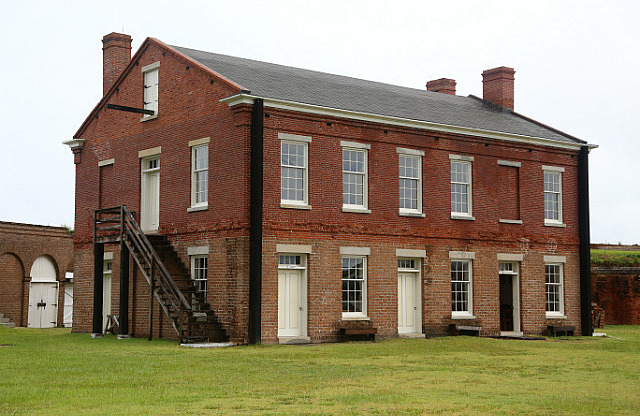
[(511, 334)]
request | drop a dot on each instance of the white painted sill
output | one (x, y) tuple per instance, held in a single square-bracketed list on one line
[(553, 316), (411, 214), (355, 318), (462, 217), (555, 224), (356, 210), (510, 221), (294, 206), (198, 208), (463, 316), (147, 118)]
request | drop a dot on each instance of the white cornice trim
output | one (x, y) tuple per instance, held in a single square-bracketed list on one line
[(75, 143), (398, 121)]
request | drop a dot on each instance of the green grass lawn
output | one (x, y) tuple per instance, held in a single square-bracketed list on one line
[(616, 258), (56, 372)]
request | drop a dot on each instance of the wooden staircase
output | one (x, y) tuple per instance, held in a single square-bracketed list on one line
[(170, 280)]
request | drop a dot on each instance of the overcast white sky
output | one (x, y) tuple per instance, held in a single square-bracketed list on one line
[(577, 69)]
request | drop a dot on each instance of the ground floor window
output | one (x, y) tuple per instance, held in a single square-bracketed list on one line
[(354, 286), (461, 288), (199, 275), (554, 289)]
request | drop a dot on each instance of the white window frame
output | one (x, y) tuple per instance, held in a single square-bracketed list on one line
[(560, 285), (463, 257), (467, 161), (296, 140), (195, 146), (356, 253), (150, 89), (411, 154), (553, 170), (364, 149), (197, 277)]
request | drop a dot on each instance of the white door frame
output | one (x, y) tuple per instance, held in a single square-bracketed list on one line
[(413, 271), (150, 193), (515, 284), (299, 269)]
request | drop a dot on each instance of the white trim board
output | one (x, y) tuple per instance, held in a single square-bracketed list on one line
[(398, 121)]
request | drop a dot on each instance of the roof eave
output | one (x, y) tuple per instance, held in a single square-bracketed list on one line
[(398, 121)]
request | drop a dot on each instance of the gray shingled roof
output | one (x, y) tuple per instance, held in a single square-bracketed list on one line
[(281, 82)]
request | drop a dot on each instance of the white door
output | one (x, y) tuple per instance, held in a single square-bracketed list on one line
[(106, 291), (43, 305), (43, 294), (291, 304), (409, 321), (68, 305), (150, 195)]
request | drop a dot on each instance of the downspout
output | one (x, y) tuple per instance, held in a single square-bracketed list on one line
[(255, 227), (585, 241)]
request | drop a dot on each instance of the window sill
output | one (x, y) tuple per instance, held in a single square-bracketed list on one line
[(510, 221), (555, 224), (147, 118), (411, 214), (355, 318), (198, 208), (552, 316), (462, 217), (463, 316), (356, 210), (294, 206)]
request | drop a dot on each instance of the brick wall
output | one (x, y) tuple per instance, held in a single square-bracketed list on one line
[(617, 291), (20, 246), (189, 109)]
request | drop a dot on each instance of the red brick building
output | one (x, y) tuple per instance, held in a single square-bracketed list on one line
[(287, 204), (36, 275)]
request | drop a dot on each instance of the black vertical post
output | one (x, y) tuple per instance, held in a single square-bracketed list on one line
[(123, 327), (255, 231), (585, 241), (98, 270)]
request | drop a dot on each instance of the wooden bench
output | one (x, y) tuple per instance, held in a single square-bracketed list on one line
[(472, 330), (351, 328), (555, 330)]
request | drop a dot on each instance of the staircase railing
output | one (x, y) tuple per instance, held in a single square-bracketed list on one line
[(118, 224)]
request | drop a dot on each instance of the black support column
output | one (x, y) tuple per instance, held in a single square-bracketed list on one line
[(123, 327), (255, 236), (585, 241), (98, 270)]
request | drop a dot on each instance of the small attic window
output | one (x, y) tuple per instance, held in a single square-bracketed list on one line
[(150, 74)]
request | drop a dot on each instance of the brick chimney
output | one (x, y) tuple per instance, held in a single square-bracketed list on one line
[(497, 86), (116, 54), (442, 85)]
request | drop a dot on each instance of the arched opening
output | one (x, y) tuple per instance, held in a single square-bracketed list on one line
[(43, 294), (12, 292)]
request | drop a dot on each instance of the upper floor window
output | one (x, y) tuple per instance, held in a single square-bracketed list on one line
[(294, 192), (199, 175), (552, 195), (461, 192), (354, 176), (410, 181), (150, 74)]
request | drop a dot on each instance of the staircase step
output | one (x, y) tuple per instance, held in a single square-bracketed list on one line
[(8, 324), (4, 320)]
